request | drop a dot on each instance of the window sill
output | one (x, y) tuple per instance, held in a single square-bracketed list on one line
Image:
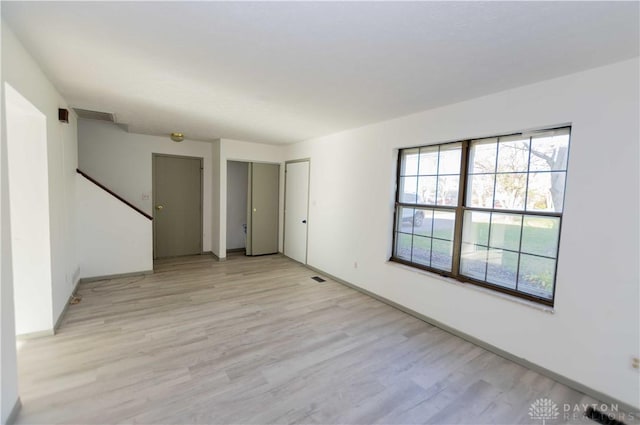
[(526, 303)]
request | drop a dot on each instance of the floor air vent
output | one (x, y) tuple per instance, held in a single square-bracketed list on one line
[(601, 418), (318, 279)]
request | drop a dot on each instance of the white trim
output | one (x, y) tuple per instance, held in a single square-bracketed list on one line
[(66, 307), (492, 348), (115, 276)]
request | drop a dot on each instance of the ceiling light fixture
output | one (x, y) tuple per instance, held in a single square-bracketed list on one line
[(177, 137)]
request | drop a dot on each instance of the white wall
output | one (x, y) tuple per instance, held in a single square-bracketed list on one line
[(63, 162), (122, 162), (237, 180), (215, 213), (26, 129), (235, 150), (8, 360), (123, 245), (25, 76), (595, 330)]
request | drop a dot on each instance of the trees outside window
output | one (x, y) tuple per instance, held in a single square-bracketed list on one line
[(490, 210)]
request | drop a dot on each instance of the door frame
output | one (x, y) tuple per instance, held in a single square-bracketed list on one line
[(154, 188), (284, 207), (246, 212)]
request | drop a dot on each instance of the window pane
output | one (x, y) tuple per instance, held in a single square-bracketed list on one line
[(403, 246), (514, 190), (429, 160), (505, 231), (473, 261), (510, 191), (441, 254), (421, 250), (480, 191), (550, 153), (502, 268), (422, 222), (448, 190), (482, 156), (475, 229), (409, 162), (449, 162), (540, 235), (513, 154), (427, 190), (408, 187), (546, 191), (443, 224), (536, 276), (405, 219)]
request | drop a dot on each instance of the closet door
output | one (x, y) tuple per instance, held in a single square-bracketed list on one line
[(296, 210), (262, 231)]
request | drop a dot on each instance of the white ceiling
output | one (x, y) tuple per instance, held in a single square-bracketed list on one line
[(283, 72)]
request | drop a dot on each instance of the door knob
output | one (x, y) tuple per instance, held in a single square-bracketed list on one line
[(304, 221), (159, 207)]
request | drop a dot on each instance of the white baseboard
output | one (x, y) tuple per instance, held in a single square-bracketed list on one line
[(37, 334), (66, 306), (489, 347), (115, 276)]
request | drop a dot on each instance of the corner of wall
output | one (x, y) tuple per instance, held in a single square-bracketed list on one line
[(8, 354), (216, 174)]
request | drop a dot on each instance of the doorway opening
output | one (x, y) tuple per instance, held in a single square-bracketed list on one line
[(252, 221), (237, 195), (29, 214)]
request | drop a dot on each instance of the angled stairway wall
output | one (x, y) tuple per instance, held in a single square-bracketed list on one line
[(113, 238)]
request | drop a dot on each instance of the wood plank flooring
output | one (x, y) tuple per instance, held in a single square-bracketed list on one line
[(255, 340)]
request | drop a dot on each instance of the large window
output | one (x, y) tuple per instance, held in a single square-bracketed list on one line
[(485, 211)]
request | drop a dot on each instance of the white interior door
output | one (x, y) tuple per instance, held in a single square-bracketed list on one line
[(296, 210)]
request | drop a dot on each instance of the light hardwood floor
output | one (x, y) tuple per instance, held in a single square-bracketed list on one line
[(255, 340)]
